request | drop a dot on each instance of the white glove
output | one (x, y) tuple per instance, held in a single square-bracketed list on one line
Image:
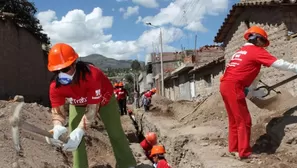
[(54, 142), (58, 130), (74, 140)]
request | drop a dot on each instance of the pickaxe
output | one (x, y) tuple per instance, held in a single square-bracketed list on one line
[(17, 122)]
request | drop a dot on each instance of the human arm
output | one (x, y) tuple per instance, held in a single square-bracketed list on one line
[(266, 59), (58, 114), (284, 65), (99, 92)]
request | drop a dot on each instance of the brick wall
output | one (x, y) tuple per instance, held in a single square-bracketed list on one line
[(22, 66), (277, 21)]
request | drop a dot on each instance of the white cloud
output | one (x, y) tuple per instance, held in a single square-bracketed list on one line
[(138, 20), (147, 3), (129, 11), (188, 13), (85, 32)]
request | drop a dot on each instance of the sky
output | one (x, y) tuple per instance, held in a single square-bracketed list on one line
[(118, 28)]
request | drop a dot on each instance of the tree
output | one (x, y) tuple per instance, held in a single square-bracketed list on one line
[(135, 65), (25, 17), (129, 78)]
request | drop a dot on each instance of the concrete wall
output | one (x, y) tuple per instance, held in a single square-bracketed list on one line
[(277, 22), (23, 65), (184, 87)]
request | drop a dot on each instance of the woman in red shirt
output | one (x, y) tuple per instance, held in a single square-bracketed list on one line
[(241, 71), (88, 91)]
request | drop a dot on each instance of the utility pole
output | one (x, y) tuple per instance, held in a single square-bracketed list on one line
[(162, 69), (161, 59), (195, 45)]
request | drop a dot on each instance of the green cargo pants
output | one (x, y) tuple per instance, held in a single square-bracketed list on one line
[(111, 118)]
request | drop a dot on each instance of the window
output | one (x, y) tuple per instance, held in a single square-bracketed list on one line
[(207, 79)]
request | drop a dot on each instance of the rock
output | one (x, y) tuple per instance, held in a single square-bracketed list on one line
[(18, 98), (204, 144), (15, 165)]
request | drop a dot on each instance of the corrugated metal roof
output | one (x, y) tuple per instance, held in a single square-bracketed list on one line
[(237, 9)]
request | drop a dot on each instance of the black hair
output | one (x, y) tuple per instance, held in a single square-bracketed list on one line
[(160, 156), (254, 39), (82, 69)]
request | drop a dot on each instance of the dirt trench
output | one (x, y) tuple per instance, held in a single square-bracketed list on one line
[(195, 134)]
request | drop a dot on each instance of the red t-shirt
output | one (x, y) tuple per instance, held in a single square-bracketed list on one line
[(145, 145), (115, 91), (148, 94), (121, 93), (96, 89), (245, 64), (163, 164)]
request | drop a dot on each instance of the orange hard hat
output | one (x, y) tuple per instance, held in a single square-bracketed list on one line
[(151, 138), (157, 150), (116, 85), (259, 31), (61, 56), (154, 90), (121, 84), (129, 111)]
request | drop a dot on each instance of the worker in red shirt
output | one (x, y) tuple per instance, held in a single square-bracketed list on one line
[(115, 88), (89, 92), (157, 154), (122, 98), (241, 71), (147, 144), (147, 98)]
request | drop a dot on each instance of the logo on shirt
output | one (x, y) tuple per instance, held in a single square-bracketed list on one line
[(97, 94), (73, 101), (236, 58)]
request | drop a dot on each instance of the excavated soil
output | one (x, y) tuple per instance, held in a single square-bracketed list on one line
[(195, 133), (37, 153)]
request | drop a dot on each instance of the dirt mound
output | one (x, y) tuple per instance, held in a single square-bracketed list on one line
[(37, 153)]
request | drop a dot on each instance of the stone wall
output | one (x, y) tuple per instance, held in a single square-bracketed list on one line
[(23, 65), (202, 87), (277, 21)]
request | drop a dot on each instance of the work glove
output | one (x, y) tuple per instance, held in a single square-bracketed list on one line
[(57, 131), (75, 138)]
